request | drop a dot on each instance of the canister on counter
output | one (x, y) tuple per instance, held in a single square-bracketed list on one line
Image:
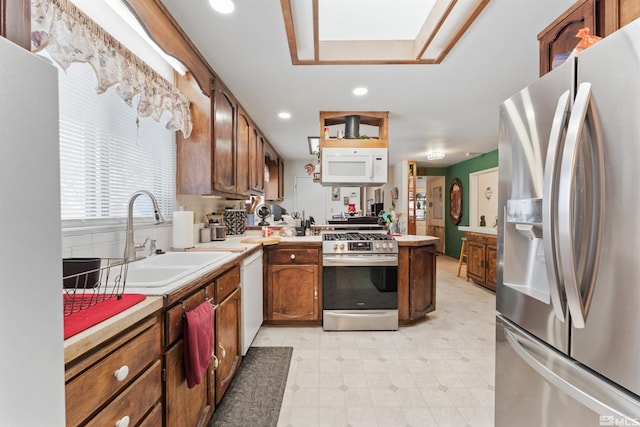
[(205, 235)]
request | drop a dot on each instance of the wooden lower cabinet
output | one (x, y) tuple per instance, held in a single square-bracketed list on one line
[(422, 281), (95, 396), (183, 405), (194, 406), (481, 259), (416, 281), (293, 284), (228, 346)]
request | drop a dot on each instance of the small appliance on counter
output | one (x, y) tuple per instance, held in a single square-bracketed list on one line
[(218, 232), (263, 212)]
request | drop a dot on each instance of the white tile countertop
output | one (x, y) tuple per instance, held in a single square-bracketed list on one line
[(485, 230)]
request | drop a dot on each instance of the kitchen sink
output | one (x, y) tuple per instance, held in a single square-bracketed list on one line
[(175, 259), (163, 270)]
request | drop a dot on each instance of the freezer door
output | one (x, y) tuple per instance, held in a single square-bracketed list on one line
[(609, 342), (529, 290), (539, 386)]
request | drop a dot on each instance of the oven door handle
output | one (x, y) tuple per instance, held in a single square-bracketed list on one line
[(359, 261)]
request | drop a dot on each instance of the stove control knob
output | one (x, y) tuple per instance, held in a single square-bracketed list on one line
[(341, 246), (335, 246), (384, 246), (377, 245)]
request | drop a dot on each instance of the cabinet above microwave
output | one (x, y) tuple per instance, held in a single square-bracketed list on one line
[(354, 166)]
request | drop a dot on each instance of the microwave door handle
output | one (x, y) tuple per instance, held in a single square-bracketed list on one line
[(549, 208), (583, 106), (371, 168)]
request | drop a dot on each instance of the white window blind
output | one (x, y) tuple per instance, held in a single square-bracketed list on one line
[(105, 156)]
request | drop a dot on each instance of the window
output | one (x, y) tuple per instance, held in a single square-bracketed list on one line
[(105, 156)]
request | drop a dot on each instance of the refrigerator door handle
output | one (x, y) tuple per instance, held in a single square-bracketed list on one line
[(549, 205), (592, 215), (570, 377)]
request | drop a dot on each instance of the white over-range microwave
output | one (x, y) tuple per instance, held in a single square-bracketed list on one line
[(362, 166)]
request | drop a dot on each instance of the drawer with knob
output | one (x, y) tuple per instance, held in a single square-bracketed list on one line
[(132, 404), (293, 256), (89, 390)]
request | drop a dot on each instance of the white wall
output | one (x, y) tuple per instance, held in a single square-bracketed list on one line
[(478, 202), (294, 171)]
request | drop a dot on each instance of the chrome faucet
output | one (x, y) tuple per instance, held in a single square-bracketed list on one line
[(130, 247)]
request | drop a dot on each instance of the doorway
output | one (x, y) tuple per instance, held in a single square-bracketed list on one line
[(430, 193)]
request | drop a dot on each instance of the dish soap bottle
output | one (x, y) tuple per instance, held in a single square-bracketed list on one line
[(483, 223)]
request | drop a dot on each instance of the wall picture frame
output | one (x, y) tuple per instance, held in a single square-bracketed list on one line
[(455, 201), (335, 194)]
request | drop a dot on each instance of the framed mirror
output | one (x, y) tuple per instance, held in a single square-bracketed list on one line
[(455, 201)]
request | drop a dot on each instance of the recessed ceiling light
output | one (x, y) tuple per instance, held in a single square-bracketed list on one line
[(359, 91), (222, 6), (284, 115)]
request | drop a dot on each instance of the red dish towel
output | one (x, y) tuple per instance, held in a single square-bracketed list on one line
[(198, 342)]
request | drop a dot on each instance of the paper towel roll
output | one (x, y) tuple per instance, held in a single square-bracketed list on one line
[(183, 229)]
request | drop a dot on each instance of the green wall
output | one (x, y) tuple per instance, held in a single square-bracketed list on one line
[(461, 171)]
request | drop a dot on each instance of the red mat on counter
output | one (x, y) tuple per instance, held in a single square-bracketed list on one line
[(88, 317)]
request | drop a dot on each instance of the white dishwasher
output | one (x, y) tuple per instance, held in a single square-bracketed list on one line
[(251, 298)]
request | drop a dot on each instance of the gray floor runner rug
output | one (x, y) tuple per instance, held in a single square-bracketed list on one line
[(255, 394)]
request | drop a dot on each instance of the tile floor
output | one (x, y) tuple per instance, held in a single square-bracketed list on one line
[(438, 372)]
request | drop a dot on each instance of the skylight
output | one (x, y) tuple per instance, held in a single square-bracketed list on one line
[(375, 31)]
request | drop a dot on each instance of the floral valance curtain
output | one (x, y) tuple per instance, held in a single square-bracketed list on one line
[(71, 36)]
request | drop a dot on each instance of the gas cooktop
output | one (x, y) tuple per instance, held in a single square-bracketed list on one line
[(355, 236)]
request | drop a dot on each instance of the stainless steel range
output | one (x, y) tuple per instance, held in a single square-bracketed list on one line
[(359, 282)]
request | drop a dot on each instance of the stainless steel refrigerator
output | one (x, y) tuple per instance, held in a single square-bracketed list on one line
[(568, 291)]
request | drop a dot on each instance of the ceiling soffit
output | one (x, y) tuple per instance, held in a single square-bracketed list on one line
[(370, 32)]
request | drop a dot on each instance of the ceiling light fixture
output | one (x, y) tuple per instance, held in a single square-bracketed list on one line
[(359, 91), (284, 115), (222, 6), (435, 155)]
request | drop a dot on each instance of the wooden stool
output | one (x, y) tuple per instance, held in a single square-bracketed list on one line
[(463, 255)]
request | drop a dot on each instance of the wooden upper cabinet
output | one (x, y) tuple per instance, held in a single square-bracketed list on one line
[(560, 36), (223, 145), (243, 161), (280, 178), (602, 17), (256, 159), (194, 156), (615, 14)]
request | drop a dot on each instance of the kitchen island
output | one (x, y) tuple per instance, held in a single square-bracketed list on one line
[(293, 280)]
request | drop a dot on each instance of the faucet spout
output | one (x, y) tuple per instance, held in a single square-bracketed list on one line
[(130, 247)]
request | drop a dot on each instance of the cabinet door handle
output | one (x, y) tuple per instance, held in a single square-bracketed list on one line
[(223, 352), (123, 422), (216, 362), (315, 293), (293, 256), (122, 373)]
